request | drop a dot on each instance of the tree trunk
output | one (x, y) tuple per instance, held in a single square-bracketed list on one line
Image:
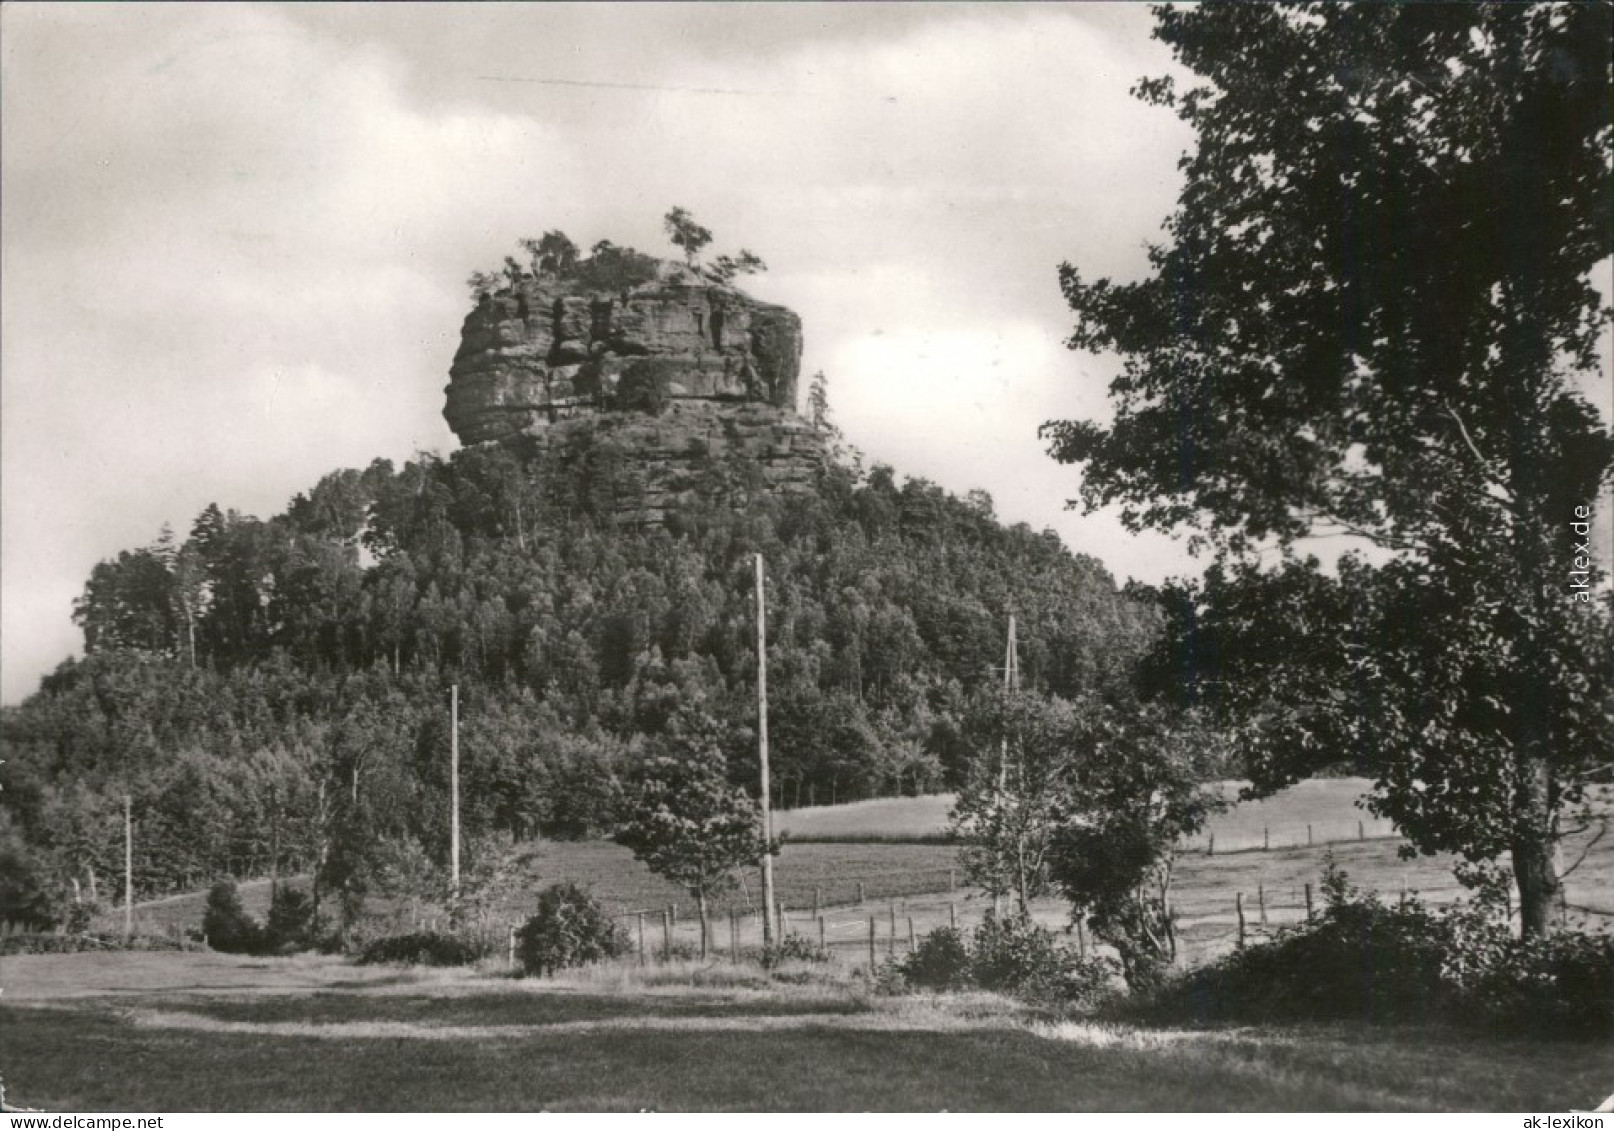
[(1022, 881), (1534, 845), (700, 904)]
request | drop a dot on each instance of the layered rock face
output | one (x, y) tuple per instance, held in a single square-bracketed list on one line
[(675, 372)]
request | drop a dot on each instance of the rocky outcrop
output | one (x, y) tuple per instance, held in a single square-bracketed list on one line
[(668, 383), (548, 349)]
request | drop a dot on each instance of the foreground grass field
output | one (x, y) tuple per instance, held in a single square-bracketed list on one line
[(174, 1032)]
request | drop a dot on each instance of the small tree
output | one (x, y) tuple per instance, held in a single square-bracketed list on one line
[(554, 255), (685, 821), (1135, 795), (686, 233), (1025, 748), (226, 924)]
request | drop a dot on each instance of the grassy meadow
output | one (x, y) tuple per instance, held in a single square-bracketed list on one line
[(205, 1031), (179, 1032)]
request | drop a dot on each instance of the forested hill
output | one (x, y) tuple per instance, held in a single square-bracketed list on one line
[(276, 682)]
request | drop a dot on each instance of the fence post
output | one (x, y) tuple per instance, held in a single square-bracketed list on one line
[(666, 936), (952, 916), (816, 901), (783, 920), (860, 891), (640, 915), (893, 912), (512, 946), (1210, 848), (1081, 940), (1308, 836), (821, 934), (1266, 839), (871, 944), (1238, 907), (1308, 903), (1361, 833), (913, 944), (672, 913), (1261, 901)]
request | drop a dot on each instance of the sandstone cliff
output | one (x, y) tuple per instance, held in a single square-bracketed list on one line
[(675, 371)]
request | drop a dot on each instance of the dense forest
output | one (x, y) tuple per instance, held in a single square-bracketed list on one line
[(262, 689)]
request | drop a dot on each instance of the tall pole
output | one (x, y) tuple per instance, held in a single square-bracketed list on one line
[(128, 866), (762, 752), (1011, 680), (454, 791)]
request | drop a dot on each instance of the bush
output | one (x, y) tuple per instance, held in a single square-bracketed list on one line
[(1562, 984), (941, 961), (423, 948), (1012, 956), (790, 948), (1016, 956), (1362, 960), (569, 929), (225, 922)]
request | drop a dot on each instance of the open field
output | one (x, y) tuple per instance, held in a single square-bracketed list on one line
[(1327, 805), (903, 881), (178, 1032)]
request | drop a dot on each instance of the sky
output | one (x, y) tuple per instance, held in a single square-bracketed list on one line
[(235, 237)]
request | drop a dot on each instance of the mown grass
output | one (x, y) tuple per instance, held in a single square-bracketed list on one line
[(626, 1040), (1327, 805)]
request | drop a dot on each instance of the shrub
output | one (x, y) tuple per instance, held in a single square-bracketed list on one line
[(423, 948), (226, 923), (1561, 984), (941, 961), (1015, 955), (569, 929), (1365, 961), (790, 948)]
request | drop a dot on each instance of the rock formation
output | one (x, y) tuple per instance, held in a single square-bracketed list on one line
[(676, 371)]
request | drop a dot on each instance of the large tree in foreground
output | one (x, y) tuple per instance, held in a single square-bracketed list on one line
[(1365, 322)]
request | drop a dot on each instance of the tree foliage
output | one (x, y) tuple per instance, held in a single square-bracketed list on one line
[(1366, 322), (685, 820), (286, 709), (685, 233)]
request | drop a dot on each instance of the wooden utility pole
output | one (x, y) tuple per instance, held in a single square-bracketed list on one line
[(128, 866), (762, 752), (454, 792), (1011, 680)]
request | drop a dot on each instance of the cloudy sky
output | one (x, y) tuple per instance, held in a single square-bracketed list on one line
[(235, 237)]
